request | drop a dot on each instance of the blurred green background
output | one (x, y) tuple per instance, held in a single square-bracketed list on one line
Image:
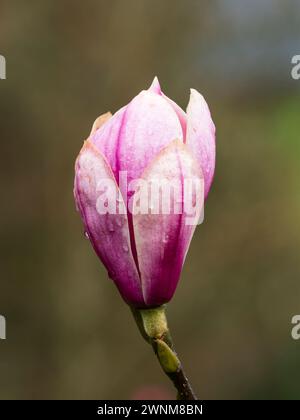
[(69, 335)]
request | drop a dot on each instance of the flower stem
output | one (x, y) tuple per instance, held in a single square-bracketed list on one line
[(153, 326)]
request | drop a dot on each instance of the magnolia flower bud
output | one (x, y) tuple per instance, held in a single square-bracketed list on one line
[(143, 241)]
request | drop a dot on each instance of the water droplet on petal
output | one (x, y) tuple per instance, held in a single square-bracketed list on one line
[(125, 248), (165, 239), (110, 226), (86, 235), (119, 221)]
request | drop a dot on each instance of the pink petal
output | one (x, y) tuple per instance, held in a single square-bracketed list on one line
[(108, 233), (162, 240), (137, 133), (200, 136), (150, 124), (155, 88), (107, 138)]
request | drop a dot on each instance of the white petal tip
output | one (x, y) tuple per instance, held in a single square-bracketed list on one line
[(195, 94), (196, 99), (155, 86)]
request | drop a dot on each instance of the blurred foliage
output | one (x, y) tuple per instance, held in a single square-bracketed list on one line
[(69, 335)]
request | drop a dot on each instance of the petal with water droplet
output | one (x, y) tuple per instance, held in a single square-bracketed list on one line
[(162, 240), (108, 233), (137, 133)]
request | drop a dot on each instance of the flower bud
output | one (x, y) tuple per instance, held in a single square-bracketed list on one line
[(131, 188)]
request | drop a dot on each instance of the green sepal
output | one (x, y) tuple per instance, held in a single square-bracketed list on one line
[(167, 357), (152, 322)]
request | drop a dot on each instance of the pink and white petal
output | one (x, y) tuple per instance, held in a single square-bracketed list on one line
[(155, 88), (133, 136), (108, 233), (107, 138), (149, 125), (162, 240), (200, 136)]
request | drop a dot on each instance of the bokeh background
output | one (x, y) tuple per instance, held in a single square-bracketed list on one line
[(69, 335)]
